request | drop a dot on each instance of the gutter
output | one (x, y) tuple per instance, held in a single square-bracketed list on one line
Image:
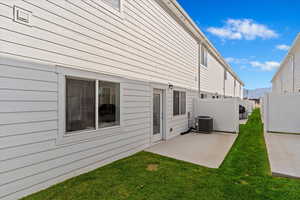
[(177, 10)]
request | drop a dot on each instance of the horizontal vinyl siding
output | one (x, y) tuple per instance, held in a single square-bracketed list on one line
[(212, 76), (229, 85), (216, 76), (147, 43), (276, 85), (30, 157), (287, 77), (179, 124), (297, 70)]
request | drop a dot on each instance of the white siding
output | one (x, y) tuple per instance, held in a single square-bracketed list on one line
[(30, 157), (212, 76), (287, 79), (277, 85), (237, 89), (297, 70), (229, 85), (179, 124), (144, 43)]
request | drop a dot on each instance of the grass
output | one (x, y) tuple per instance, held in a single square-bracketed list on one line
[(244, 175)]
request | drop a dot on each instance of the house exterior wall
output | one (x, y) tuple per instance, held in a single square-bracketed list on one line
[(32, 157), (277, 85), (212, 79), (33, 153), (141, 47), (283, 84), (229, 86), (215, 73), (297, 69), (144, 42), (287, 79)]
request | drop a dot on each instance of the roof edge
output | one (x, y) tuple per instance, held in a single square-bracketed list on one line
[(195, 30)]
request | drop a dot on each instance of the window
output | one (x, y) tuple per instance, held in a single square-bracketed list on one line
[(116, 4), (176, 107), (81, 108), (203, 56), (80, 105), (203, 96), (109, 104), (179, 103)]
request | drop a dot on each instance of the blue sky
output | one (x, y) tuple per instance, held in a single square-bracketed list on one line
[(253, 35)]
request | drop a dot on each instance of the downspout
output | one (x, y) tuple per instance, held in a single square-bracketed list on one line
[(199, 69)]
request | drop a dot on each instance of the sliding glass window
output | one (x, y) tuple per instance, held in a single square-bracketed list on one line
[(81, 108), (80, 105), (109, 104)]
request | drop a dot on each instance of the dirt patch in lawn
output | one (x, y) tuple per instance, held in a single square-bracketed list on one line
[(152, 167)]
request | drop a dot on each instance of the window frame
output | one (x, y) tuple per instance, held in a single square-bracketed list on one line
[(65, 137), (204, 56), (225, 75), (179, 103), (119, 13), (95, 100)]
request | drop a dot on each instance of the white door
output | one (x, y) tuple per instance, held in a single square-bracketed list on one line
[(157, 128)]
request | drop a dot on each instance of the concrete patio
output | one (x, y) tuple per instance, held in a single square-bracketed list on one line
[(284, 154), (202, 149)]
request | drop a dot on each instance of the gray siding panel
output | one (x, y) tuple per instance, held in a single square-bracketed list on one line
[(146, 43), (29, 153), (143, 43)]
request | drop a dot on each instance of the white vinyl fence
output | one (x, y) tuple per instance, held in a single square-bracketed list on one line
[(281, 113), (250, 105), (225, 113)]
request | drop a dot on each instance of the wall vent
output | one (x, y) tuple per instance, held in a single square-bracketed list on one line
[(22, 16)]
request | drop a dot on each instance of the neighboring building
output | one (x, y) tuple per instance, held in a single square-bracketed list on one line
[(256, 93), (84, 83), (287, 78), (218, 80)]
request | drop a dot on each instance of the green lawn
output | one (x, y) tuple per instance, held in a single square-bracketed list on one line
[(244, 175)]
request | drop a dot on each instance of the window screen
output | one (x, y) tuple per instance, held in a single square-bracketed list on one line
[(179, 103), (109, 104), (176, 102), (203, 56), (80, 105), (182, 103)]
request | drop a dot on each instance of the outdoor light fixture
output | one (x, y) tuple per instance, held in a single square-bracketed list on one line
[(171, 86)]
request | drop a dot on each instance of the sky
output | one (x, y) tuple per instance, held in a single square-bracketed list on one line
[(252, 35)]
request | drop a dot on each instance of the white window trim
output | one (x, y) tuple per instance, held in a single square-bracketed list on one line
[(179, 115), (119, 13), (84, 135), (205, 55)]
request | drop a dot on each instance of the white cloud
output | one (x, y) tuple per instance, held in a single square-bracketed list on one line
[(237, 60), (265, 66), (244, 62), (283, 47), (237, 29)]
